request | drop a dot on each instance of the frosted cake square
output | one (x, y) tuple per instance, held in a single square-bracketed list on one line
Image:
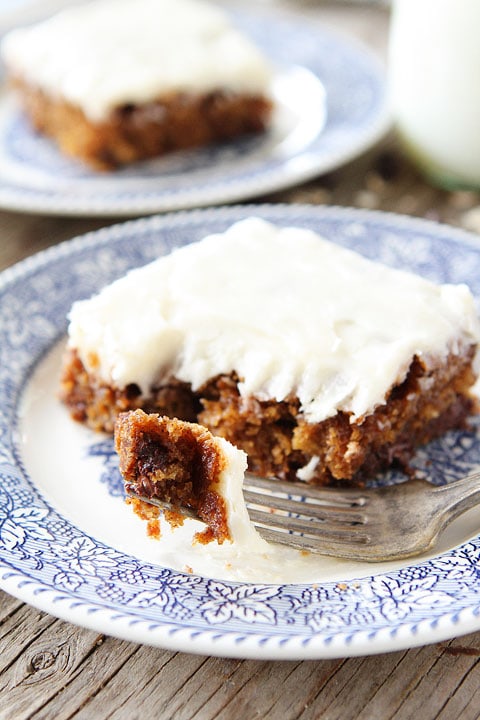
[(115, 81), (320, 364)]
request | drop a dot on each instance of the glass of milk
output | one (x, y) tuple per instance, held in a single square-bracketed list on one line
[(434, 75)]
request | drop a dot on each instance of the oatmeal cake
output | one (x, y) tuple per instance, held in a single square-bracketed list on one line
[(116, 81), (185, 466), (320, 364)]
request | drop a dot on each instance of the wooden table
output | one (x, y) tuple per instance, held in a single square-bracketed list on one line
[(51, 669)]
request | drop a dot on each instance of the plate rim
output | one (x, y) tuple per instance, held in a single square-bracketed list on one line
[(211, 641)]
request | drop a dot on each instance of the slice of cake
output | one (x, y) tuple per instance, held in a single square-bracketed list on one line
[(184, 466), (320, 364), (117, 81)]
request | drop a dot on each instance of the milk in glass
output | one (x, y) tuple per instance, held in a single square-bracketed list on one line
[(434, 74)]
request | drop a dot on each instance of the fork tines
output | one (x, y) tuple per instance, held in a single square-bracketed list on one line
[(305, 516)]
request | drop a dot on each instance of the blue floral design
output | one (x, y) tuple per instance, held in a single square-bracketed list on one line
[(171, 595), (463, 566), (249, 603), (396, 600), (110, 475), (21, 521)]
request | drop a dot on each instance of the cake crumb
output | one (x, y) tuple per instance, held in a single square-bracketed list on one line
[(153, 529)]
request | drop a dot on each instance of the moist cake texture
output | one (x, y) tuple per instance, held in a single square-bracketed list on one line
[(320, 364), (184, 465), (116, 81)]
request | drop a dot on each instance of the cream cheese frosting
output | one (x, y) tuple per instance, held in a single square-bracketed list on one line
[(290, 312), (102, 54), (230, 487)]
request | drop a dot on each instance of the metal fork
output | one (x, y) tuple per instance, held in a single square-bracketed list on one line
[(369, 524)]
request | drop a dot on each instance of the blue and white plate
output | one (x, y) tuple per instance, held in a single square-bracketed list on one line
[(70, 546), (330, 106)]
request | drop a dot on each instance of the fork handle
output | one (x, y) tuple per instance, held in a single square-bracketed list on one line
[(459, 496)]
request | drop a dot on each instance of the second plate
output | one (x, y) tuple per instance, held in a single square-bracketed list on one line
[(330, 106)]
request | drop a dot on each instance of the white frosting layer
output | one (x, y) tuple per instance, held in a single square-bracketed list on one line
[(106, 53), (230, 487), (287, 310)]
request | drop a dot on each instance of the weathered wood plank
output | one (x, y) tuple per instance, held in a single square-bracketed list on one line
[(18, 632), (92, 673), (464, 702), (143, 686), (23, 235), (230, 677), (301, 704), (452, 684), (418, 683), (264, 689), (364, 674), (58, 671), (192, 698), (42, 668), (8, 605), (383, 179)]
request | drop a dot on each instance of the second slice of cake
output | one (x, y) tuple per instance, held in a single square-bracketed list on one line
[(320, 364), (118, 81)]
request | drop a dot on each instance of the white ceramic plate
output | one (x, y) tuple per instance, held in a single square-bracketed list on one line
[(70, 546), (330, 106)]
